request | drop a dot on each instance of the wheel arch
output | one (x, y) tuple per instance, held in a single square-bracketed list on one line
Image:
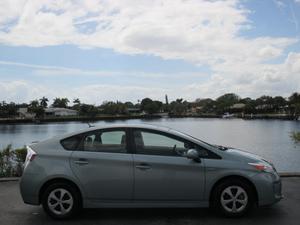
[(59, 180), (239, 177)]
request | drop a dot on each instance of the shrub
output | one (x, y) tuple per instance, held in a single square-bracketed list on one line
[(6, 163), (12, 161)]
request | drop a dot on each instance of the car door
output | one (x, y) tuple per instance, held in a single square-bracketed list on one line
[(161, 170), (103, 165)]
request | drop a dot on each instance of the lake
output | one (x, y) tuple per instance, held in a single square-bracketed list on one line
[(268, 138)]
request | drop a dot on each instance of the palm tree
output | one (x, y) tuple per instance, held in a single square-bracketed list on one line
[(60, 102), (76, 101), (43, 102)]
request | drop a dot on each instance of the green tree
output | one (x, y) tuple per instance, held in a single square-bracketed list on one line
[(77, 104), (224, 102), (150, 106), (88, 110), (35, 107), (208, 105), (44, 102), (294, 102), (60, 102), (178, 107)]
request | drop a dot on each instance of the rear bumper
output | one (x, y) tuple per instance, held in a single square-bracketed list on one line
[(27, 190)]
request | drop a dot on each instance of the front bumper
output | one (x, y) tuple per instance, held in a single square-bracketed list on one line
[(277, 187), (269, 188)]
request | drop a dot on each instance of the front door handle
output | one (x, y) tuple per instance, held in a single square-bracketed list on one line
[(81, 162), (143, 166)]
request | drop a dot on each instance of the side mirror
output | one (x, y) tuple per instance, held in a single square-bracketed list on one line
[(193, 154)]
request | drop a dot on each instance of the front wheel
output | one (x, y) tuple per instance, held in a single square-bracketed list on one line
[(233, 198), (61, 200)]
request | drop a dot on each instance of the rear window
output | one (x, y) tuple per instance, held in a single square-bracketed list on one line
[(71, 143)]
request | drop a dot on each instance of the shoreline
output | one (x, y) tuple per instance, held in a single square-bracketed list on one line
[(7, 121)]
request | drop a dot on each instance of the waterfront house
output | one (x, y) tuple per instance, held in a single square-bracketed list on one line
[(60, 112), (25, 114)]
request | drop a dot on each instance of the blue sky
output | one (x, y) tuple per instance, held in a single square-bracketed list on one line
[(128, 50)]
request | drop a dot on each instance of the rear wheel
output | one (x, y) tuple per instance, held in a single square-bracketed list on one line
[(233, 197), (61, 200)]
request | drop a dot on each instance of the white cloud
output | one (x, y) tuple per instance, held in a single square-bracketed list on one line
[(279, 4), (198, 31), (59, 71), (20, 91), (281, 79), (23, 91)]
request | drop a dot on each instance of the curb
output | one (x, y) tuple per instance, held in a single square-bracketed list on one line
[(8, 179), (289, 174)]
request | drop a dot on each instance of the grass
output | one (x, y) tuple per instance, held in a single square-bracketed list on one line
[(295, 135)]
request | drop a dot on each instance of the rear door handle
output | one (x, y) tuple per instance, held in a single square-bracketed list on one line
[(143, 166), (81, 162)]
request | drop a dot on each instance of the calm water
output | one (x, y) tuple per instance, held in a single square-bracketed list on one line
[(268, 138)]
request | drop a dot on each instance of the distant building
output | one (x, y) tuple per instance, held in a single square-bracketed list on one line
[(195, 110), (60, 112), (238, 106), (134, 110), (23, 113), (264, 106)]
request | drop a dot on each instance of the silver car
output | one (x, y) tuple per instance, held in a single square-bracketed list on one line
[(144, 166)]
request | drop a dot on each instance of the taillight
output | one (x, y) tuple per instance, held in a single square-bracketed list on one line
[(30, 156)]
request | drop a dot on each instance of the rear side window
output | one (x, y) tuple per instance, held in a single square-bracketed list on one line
[(71, 143), (113, 141)]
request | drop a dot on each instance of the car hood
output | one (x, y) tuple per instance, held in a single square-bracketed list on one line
[(245, 156)]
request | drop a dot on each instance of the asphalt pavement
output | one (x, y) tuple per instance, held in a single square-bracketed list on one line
[(14, 211)]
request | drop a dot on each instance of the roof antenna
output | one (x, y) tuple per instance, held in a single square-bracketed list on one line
[(90, 125)]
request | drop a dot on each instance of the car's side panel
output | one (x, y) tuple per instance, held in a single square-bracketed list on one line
[(219, 169), (48, 164), (168, 178), (106, 176)]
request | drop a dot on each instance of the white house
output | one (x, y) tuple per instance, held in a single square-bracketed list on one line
[(60, 112), (23, 113)]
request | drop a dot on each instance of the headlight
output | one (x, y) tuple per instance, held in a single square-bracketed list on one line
[(262, 167)]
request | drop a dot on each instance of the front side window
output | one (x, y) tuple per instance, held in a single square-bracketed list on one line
[(151, 143), (105, 141)]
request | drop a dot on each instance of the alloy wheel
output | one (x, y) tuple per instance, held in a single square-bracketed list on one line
[(60, 201), (234, 199)]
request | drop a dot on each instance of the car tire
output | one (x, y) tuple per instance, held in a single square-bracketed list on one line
[(61, 200), (233, 198)]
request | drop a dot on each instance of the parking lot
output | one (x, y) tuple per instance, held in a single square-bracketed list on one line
[(14, 211)]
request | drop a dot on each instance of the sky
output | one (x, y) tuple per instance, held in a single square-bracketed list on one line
[(126, 50)]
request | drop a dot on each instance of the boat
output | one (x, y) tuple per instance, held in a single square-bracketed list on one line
[(227, 116)]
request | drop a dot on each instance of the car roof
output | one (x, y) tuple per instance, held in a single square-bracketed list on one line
[(120, 125)]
